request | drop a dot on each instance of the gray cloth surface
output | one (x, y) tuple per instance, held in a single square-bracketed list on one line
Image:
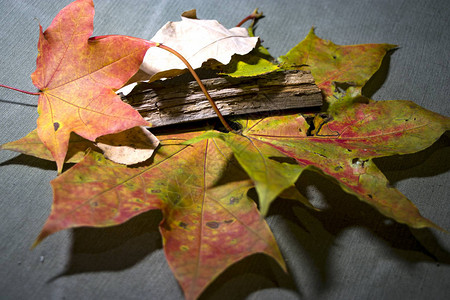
[(349, 251)]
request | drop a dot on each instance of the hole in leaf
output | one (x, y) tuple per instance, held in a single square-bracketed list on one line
[(342, 87), (359, 162), (312, 127), (287, 160), (56, 126)]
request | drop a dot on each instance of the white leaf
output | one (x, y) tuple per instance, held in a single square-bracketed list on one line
[(128, 147), (198, 41)]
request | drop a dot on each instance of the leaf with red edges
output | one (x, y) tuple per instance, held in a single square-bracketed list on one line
[(342, 148), (209, 221), (329, 63), (359, 134), (77, 78)]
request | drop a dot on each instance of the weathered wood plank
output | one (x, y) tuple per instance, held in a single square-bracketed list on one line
[(171, 102)]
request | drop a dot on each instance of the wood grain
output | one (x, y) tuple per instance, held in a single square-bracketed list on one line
[(171, 102)]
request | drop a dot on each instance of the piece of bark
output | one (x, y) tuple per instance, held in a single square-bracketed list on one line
[(173, 102)]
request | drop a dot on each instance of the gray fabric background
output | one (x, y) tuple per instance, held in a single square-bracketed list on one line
[(349, 251)]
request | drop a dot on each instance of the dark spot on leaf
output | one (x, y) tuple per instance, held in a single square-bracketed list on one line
[(94, 204), (213, 224), (370, 196), (56, 126), (183, 225), (320, 154), (338, 168), (234, 200), (349, 150), (156, 191), (228, 221), (334, 56)]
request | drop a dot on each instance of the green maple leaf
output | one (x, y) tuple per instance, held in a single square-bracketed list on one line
[(330, 63)]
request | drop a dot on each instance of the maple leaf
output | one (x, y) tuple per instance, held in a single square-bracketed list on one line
[(77, 77), (209, 221), (343, 148), (330, 63)]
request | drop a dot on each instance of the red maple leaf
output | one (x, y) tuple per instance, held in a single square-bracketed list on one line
[(77, 77)]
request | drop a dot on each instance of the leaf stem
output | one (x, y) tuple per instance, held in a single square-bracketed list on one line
[(18, 90), (202, 87), (253, 16)]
